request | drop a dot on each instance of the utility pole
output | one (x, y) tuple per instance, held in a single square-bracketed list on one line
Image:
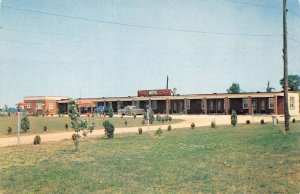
[(285, 70), (167, 82)]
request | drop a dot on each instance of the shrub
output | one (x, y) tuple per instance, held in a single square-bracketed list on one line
[(169, 127), (248, 122), (158, 132), (193, 125), (36, 114), (67, 126), (158, 117), (92, 127), (9, 130), (162, 119), (37, 140), (233, 118), (134, 116), (170, 118), (143, 122), (25, 125), (110, 112), (262, 121), (213, 124), (294, 120), (126, 123), (109, 129), (45, 128), (8, 114), (140, 131)]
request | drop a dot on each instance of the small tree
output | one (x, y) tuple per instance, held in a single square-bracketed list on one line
[(110, 112), (25, 124), (233, 118), (269, 88), (77, 124), (109, 129), (151, 117)]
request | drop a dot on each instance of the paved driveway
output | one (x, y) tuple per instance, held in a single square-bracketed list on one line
[(199, 120)]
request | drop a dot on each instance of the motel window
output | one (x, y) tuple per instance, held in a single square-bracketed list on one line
[(271, 103), (188, 104), (50, 105), (39, 106), (154, 104), (137, 104), (245, 103), (29, 105), (292, 103), (219, 105), (262, 105), (211, 105)]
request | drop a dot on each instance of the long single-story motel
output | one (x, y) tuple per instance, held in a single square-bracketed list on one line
[(164, 102)]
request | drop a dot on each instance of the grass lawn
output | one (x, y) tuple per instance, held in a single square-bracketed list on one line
[(57, 124), (246, 159)]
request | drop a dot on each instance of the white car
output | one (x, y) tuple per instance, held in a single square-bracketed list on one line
[(131, 110)]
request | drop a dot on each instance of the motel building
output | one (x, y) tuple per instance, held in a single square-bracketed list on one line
[(163, 102)]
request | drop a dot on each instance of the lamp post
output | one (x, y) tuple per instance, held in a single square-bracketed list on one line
[(18, 117)]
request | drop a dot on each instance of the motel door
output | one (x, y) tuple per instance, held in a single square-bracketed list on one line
[(254, 106)]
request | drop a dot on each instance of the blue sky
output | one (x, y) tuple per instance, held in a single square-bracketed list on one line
[(42, 54)]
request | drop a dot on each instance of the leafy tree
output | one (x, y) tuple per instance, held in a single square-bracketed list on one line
[(234, 89), (233, 118), (269, 88), (110, 112), (25, 124), (5, 108), (77, 124), (293, 82)]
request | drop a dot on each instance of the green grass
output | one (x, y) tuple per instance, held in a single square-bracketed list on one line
[(243, 159), (57, 124)]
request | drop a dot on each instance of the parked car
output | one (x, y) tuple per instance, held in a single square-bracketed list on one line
[(131, 110), (102, 109)]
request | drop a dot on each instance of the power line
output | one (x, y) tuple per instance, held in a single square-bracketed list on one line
[(141, 26), (251, 4)]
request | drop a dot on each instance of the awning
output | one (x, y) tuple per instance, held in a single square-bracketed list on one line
[(86, 103), (21, 104)]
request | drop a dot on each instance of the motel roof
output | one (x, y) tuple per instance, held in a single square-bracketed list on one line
[(190, 96), (27, 98)]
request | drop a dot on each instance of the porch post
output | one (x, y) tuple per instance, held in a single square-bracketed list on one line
[(118, 105), (167, 106), (133, 102), (150, 103), (205, 105), (104, 103), (250, 105), (275, 105), (185, 106), (226, 105)]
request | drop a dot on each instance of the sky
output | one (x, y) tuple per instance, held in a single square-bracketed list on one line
[(105, 48)]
